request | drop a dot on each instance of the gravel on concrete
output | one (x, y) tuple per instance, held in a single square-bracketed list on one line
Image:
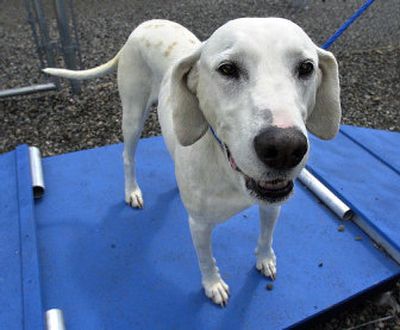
[(58, 122)]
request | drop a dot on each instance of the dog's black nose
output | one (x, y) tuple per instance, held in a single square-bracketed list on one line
[(280, 148)]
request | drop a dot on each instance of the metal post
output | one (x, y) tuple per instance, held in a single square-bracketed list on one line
[(66, 43), (45, 39), (28, 90), (31, 21), (38, 186), (47, 49), (55, 319), (75, 27)]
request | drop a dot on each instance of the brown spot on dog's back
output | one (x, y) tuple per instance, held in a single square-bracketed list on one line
[(153, 26), (170, 48)]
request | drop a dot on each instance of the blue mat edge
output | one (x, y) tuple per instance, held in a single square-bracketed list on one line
[(353, 207), (365, 224), (379, 287), (346, 131), (31, 288)]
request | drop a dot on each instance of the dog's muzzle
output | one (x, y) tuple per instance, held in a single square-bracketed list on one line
[(272, 191), (280, 148)]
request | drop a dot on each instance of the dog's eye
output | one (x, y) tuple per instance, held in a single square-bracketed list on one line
[(305, 69), (229, 70)]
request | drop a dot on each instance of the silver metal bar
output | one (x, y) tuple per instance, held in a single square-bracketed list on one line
[(325, 195), (31, 21), (55, 319), (45, 40), (28, 90), (77, 45), (66, 42), (344, 212), (37, 172), (377, 237)]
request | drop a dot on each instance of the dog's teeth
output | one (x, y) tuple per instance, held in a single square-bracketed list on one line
[(273, 184), (267, 185)]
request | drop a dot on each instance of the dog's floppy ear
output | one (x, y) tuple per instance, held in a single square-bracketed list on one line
[(189, 122), (324, 120)]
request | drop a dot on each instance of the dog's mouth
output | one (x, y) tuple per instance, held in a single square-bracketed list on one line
[(272, 191)]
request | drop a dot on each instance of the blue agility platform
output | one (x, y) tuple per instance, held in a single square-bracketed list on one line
[(83, 250)]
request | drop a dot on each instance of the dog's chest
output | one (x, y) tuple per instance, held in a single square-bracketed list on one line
[(209, 190)]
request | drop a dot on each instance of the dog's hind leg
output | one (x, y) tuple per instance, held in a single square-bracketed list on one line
[(134, 117), (131, 133), (136, 91)]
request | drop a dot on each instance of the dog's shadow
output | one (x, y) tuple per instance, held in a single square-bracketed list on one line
[(233, 315), (241, 301), (116, 262), (124, 262)]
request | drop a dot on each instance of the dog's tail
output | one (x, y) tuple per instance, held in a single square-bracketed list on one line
[(96, 72)]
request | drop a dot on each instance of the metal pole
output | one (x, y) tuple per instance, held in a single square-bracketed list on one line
[(45, 39), (28, 90), (66, 44), (325, 195), (55, 319), (75, 28), (31, 21), (37, 172)]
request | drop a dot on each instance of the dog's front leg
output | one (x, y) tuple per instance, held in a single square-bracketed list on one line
[(215, 288), (266, 259)]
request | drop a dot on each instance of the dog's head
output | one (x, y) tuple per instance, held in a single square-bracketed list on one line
[(260, 83)]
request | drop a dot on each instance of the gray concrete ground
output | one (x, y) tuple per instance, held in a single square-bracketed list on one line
[(58, 122)]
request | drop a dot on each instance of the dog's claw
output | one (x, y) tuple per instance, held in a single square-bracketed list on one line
[(267, 266), (273, 273), (135, 199), (218, 292), (136, 202)]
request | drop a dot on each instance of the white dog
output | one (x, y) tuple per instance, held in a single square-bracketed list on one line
[(234, 112)]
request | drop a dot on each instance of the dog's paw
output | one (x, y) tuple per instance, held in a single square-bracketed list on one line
[(217, 291), (135, 199), (267, 265)]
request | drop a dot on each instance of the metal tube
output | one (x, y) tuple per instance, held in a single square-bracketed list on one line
[(55, 319), (45, 38), (325, 195), (77, 45), (28, 90), (66, 43), (37, 172), (31, 22), (380, 239)]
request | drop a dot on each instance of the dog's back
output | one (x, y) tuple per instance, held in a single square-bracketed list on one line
[(158, 42), (161, 43)]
